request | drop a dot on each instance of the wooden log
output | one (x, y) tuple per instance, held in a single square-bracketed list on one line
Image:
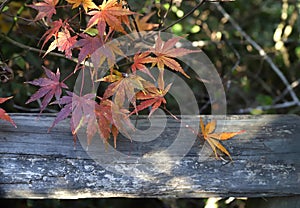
[(38, 164)]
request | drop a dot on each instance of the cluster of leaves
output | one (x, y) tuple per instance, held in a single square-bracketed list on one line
[(92, 43), (105, 22)]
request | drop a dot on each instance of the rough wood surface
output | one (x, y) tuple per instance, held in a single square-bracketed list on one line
[(38, 164)]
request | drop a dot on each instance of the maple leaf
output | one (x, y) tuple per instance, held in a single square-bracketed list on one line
[(142, 22), (50, 87), (152, 97), (82, 109), (54, 29), (213, 138), (64, 43), (4, 115), (45, 9), (110, 13), (125, 87), (88, 45), (165, 53), (86, 4), (110, 120), (139, 61)]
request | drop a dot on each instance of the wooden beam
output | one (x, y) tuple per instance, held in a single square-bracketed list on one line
[(38, 164)]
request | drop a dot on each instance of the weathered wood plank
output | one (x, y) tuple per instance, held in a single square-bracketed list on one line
[(37, 164)]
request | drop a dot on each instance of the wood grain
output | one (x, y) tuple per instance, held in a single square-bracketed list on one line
[(38, 164)]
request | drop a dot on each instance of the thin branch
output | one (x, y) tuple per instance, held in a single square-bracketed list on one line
[(2, 5), (29, 48), (286, 91), (18, 107), (185, 16), (162, 20), (262, 53), (269, 107)]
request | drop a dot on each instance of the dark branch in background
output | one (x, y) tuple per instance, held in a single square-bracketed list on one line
[(134, 22), (264, 55), (236, 53), (3, 4), (29, 48), (162, 20), (191, 12), (185, 16)]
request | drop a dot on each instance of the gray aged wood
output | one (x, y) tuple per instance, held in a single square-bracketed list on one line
[(38, 164)]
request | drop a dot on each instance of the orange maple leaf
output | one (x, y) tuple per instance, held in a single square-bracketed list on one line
[(112, 120), (86, 4), (139, 61), (4, 115), (112, 13), (212, 138), (123, 86), (151, 96), (142, 22)]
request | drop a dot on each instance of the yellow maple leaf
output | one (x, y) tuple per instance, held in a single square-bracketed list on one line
[(86, 4), (213, 138)]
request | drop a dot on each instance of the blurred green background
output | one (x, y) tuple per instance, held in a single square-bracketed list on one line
[(251, 84)]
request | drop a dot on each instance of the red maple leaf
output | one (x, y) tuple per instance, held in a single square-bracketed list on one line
[(151, 96), (82, 109), (4, 115), (45, 9), (64, 43), (55, 26), (139, 61), (50, 87), (110, 13), (165, 53), (112, 120)]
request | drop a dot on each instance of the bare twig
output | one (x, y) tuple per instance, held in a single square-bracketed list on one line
[(263, 54), (2, 4), (185, 16), (269, 107), (162, 20), (18, 107), (29, 48), (286, 91)]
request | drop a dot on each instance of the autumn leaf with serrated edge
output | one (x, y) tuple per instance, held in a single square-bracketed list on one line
[(123, 87), (142, 22), (55, 26), (82, 110), (110, 13), (86, 4), (165, 53), (50, 87), (4, 115), (64, 43), (214, 138), (45, 9), (151, 97), (111, 120), (139, 61)]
